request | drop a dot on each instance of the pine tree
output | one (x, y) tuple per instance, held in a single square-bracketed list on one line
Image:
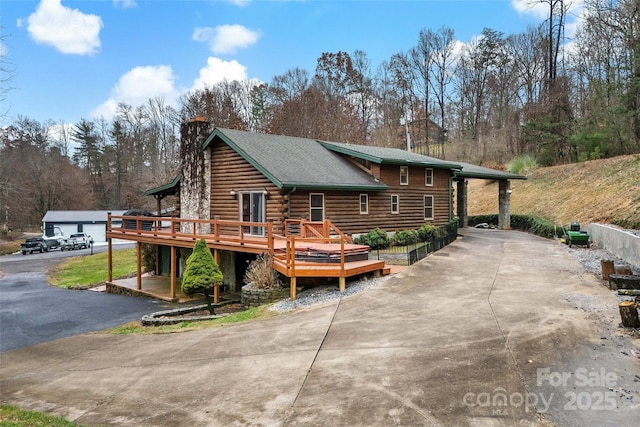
[(202, 273)]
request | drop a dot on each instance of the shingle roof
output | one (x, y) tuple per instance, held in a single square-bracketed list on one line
[(388, 155), (296, 162), (474, 171), (169, 189), (79, 216), (309, 163)]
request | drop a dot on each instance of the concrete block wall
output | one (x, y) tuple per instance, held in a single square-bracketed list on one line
[(620, 243)]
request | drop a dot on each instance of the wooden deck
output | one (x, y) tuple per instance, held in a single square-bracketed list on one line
[(322, 240)]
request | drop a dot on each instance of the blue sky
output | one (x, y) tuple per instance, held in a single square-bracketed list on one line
[(78, 59)]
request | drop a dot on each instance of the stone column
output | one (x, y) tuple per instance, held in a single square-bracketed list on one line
[(461, 203), (195, 186), (504, 213)]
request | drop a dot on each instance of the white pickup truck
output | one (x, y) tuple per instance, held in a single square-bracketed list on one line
[(81, 240)]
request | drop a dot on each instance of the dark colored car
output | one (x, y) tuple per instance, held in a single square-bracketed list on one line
[(34, 244)]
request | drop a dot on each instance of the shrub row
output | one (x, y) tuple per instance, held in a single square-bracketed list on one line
[(379, 239), (530, 223)]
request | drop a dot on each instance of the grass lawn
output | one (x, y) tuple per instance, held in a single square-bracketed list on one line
[(243, 316), (13, 416), (90, 270)]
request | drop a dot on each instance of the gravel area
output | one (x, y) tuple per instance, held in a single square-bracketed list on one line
[(323, 294), (591, 257)]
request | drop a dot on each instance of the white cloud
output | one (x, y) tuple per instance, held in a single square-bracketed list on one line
[(533, 7), (226, 38), (3, 50), (125, 4), (240, 3), (217, 71), (540, 9), (68, 30), (137, 86)]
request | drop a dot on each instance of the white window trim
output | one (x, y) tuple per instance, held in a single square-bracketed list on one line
[(397, 211), (401, 169), (324, 214), (366, 204), (433, 207), (426, 181)]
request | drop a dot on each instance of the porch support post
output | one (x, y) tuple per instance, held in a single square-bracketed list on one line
[(461, 202), (292, 288), (139, 265), (504, 213), (157, 260), (109, 260), (173, 272), (342, 283), (216, 288)]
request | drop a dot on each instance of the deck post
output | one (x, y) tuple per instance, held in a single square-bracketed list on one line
[(109, 260), (292, 285), (139, 265), (342, 283), (216, 293), (172, 273)]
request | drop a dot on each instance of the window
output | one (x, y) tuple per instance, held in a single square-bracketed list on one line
[(404, 175), (252, 209), (395, 204), (428, 207), (428, 177), (364, 203), (316, 207)]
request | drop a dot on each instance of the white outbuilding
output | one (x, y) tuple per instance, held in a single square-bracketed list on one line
[(94, 223)]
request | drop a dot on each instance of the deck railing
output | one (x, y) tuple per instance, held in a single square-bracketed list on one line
[(304, 228), (214, 231), (236, 235)]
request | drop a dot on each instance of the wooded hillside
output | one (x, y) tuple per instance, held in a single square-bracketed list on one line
[(595, 191)]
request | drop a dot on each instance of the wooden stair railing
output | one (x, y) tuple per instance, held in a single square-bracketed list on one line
[(304, 228)]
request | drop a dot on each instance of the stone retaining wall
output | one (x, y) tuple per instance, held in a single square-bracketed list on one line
[(252, 297)]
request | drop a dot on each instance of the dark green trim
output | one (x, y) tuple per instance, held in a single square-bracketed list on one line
[(167, 189), (243, 154), (415, 160), (345, 187)]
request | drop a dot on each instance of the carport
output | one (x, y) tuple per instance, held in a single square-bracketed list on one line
[(470, 171)]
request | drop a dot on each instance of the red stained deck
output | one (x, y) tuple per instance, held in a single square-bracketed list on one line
[(318, 239)]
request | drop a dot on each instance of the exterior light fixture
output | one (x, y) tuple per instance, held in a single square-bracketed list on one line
[(265, 193), (233, 194)]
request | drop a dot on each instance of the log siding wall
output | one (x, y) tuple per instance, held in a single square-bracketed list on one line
[(343, 208), (230, 171)]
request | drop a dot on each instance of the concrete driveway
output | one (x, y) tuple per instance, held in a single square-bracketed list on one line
[(497, 329)]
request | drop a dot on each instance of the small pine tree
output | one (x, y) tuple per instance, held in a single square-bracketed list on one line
[(202, 273)]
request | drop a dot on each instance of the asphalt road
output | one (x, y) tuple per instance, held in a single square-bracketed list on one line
[(33, 312)]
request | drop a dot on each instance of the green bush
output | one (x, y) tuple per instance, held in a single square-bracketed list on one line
[(426, 232), (376, 239), (522, 164), (405, 238)]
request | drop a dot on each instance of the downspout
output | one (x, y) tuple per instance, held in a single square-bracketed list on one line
[(289, 201), (450, 196)]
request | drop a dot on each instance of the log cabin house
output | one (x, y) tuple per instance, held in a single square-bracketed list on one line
[(299, 199)]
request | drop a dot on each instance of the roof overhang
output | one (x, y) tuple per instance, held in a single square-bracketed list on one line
[(219, 134), (170, 189)]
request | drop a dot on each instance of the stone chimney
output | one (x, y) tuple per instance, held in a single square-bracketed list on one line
[(195, 187)]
